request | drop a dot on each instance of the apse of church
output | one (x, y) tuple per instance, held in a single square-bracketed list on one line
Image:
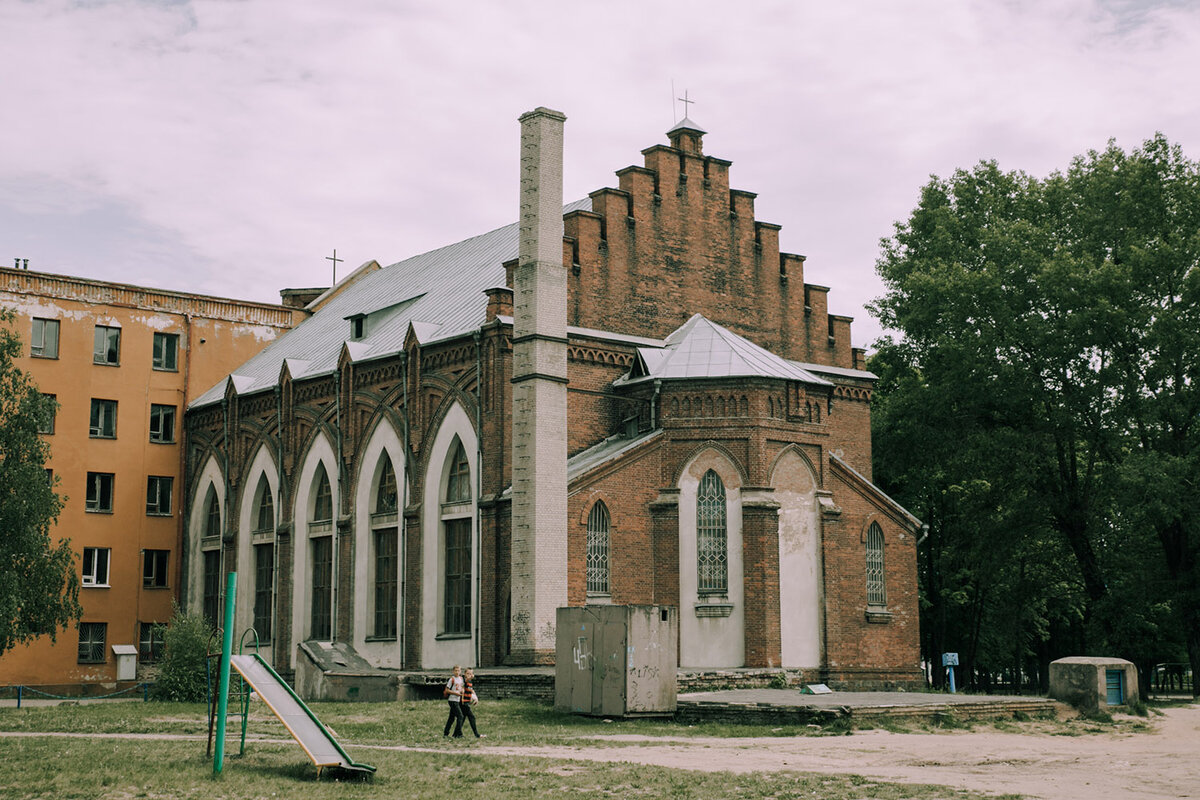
[(634, 398)]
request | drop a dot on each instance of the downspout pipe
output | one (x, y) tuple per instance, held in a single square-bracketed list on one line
[(402, 519), (478, 559), (337, 512), (924, 534), (225, 521), (278, 514)]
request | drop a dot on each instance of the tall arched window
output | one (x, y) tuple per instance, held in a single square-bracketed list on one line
[(385, 562), (456, 527), (597, 549), (212, 521), (263, 544), (320, 530), (876, 587), (712, 555), (210, 601)]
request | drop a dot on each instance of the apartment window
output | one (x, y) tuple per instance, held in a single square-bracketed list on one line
[(264, 586), (43, 340), (162, 424), (711, 548), (104, 419), (210, 601), (95, 566), (150, 642), (107, 346), (322, 588), (876, 586), (385, 583), (49, 477), (158, 495), (91, 642), (166, 351), (597, 550), (457, 611), (99, 492), (154, 568), (49, 413)]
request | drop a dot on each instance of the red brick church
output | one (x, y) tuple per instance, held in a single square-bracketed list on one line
[(634, 398)]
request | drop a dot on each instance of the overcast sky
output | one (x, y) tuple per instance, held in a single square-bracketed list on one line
[(228, 146)]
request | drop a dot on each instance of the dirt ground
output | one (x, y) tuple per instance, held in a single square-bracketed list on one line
[(1160, 763)]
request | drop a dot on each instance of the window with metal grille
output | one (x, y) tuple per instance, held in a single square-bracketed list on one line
[(385, 495), (711, 549), (212, 516), (162, 424), (457, 612), (264, 587), (323, 502), (95, 566), (43, 339), (158, 494), (166, 351), (876, 587), (385, 583), (321, 620), (107, 346), (99, 493), (597, 549), (264, 515), (458, 482), (91, 642), (154, 568), (104, 419), (150, 642), (211, 598)]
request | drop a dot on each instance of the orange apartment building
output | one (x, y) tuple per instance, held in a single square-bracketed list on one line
[(123, 362)]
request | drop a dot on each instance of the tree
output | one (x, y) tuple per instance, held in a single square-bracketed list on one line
[(1051, 329), (39, 586)]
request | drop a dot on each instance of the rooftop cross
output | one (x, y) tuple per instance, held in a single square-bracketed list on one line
[(686, 102), (335, 261)]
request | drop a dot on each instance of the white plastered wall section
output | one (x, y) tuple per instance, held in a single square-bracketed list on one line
[(320, 453), (262, 466), (384, 440), (210, 476), (710, 641), (800, 594), (440, 652)]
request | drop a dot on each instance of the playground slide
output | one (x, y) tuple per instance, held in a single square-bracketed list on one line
[(301, 722)]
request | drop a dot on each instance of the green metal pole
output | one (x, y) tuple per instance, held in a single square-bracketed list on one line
[(223, 691)]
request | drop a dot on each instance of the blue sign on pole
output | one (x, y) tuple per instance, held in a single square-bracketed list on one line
[(950, 661)]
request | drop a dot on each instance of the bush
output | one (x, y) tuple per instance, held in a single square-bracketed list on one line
[(181, 673)]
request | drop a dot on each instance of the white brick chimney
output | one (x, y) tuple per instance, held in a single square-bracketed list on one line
[(539, 415)]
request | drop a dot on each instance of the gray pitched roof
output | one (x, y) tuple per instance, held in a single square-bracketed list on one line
[(703, 349), (440, 293)]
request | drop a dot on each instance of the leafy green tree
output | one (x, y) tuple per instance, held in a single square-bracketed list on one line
[(39, 587), (1047, 384)]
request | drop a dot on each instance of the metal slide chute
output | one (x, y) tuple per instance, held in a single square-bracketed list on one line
[(298, 718)]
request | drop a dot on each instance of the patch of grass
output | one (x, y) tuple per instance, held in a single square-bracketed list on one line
[(87, 769)]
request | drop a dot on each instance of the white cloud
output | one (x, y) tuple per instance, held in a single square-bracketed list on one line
[(242, 140)]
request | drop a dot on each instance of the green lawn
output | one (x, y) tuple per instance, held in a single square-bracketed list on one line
[(82, 767)]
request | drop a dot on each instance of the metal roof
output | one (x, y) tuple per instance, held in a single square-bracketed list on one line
[(703, 349), (440, 293)]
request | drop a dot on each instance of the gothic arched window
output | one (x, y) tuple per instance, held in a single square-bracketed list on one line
[(598, 549), (876, 587), (712, 557)]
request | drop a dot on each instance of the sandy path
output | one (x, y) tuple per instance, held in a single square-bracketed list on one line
[(1163, 763)]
